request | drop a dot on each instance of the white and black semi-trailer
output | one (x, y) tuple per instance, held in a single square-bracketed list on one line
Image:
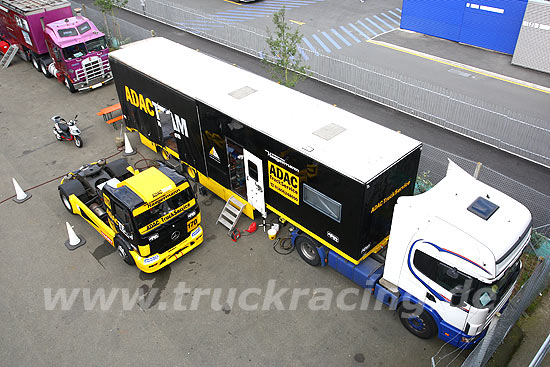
[(453, 251), (333, 174)]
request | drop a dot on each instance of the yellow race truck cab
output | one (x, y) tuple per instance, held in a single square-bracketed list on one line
[(152, 217)]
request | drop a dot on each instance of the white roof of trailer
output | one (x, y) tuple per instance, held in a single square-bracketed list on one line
[(27, 6), (349, 144)]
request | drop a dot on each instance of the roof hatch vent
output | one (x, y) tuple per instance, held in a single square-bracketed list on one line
[(483, 208), (242, 92), (329, 131)]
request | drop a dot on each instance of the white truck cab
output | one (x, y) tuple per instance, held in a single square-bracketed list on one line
[(453, 257)]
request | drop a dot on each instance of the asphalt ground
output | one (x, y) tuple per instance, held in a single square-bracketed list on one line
[(164, 327)]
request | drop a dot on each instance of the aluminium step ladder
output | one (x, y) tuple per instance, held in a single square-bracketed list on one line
[(8, 57), (231, 213)]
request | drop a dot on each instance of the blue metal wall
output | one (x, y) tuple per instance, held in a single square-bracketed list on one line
[(440, 18), (491, 24)]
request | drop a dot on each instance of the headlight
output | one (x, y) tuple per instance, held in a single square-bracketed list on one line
[(192, 214), (153, 237)]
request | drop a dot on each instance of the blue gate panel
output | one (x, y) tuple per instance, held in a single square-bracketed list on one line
[(493, 24), (439, 18)]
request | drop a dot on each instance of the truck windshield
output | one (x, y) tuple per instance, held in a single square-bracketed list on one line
[(175, 206), (74, 51), (97, 44), (485, 295)]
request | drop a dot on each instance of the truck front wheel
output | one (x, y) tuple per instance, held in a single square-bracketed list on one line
[(418, 322), (308, 251), (69, 85), (124, 252)]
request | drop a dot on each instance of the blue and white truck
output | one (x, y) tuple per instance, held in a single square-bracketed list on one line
[(452, 260)]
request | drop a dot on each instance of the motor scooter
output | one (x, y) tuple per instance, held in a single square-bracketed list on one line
[(68, 131)]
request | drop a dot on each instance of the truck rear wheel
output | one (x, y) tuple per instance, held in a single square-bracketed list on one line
[(35, 63), (44, 69), (308, 251), (67, 189), (419, 323)]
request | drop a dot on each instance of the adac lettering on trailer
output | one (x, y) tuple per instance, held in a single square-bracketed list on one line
[(144, 104), (386, 199), (152, 108), (284, 183)]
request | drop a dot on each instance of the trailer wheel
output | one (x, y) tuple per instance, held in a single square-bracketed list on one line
[(44, 69), (308, 251), (35, 63), (124, 251), (69, 85), (419, 323)]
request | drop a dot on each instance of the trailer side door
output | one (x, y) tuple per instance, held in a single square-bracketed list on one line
[(254, 181)]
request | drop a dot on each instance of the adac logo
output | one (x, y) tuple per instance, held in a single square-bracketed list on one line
[(137, 100)]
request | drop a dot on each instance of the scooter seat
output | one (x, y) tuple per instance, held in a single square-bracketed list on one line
[(63, 127)]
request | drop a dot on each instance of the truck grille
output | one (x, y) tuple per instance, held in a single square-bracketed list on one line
[(167, 239), (92, 68)]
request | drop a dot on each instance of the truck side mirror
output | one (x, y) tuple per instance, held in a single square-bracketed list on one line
[(456, 296)]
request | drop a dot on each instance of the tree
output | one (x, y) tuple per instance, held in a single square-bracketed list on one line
[(285, 62), (109, 6)]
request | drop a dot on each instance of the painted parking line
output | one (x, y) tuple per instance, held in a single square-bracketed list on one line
[(358, 31), (399, 10), (388, 17), (367, 27), (283, 2), (320, 43), (463, 67), (350, 34), (383, 22), (234, 17), (250, 12), (303, 53), (309, 45), (331, 40), (335, 32), (376, 25), (395, 15)]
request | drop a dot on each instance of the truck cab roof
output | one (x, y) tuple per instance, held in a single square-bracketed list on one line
[(73, 31), (483, 244)]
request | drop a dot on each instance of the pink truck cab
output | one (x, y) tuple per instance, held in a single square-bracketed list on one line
[(58, 44), (79, 53)]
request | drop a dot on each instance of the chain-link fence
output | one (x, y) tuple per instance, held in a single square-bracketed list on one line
[(538, 281), (117, 31), (492, 124)]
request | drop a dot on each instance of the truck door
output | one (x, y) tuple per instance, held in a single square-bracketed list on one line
[(254, 181), (445, 280)]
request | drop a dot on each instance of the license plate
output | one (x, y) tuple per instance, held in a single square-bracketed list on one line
[(95, 86)]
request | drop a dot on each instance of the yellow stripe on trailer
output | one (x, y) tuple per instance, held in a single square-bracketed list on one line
[(324, 242)]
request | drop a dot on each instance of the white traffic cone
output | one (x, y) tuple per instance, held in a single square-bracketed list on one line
[(128, 150), (21, 195), (74, 240)]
